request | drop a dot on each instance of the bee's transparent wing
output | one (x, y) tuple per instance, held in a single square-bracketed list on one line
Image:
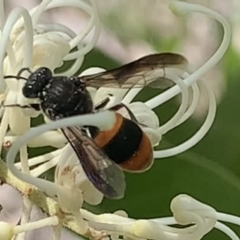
[(104, 174), (149, 70)]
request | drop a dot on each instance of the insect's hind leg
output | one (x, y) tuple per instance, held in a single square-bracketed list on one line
[(116, 107), (102, 104), (122, 105)]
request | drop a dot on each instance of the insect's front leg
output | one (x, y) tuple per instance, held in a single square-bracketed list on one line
[(35, 106)]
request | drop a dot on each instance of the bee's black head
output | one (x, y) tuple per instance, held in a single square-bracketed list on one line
[(36, 82)]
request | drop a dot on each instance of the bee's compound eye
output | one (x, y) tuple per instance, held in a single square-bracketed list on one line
[(28, 91), (37, 81)]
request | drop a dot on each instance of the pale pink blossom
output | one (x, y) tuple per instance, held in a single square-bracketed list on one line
[(11, 204)]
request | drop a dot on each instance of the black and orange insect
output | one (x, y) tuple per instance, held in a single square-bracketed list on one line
[(102, 154)]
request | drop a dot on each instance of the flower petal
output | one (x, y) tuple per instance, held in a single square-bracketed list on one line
[(46, 233), (153, 135), (69, 173), (11, 202)]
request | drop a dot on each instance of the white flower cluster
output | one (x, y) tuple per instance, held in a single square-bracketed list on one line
[(27, 44)]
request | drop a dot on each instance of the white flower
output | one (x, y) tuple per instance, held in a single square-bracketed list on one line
[(33, 45), (186, 211), (27, 44), (11, 204), (70, 174), (72, 187), (47, 45), (144, 113)]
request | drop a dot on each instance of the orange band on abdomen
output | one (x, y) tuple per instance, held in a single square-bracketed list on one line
[(142, 159), (104, 137)]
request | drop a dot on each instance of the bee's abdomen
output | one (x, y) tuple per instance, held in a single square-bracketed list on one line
[(126, 145)]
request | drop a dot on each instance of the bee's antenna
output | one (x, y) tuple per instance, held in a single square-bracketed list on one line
[(23, 70), (16, 77), (19, 74)]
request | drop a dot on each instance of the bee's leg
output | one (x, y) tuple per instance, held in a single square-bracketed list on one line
[(122, 105), (34, 106), (116, 107), (16, 105), (102, 104)]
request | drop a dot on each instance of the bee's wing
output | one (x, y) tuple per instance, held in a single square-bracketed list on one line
[(104, 174), (149, 70)]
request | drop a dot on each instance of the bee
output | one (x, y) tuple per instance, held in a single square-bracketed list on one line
[(103, 154)]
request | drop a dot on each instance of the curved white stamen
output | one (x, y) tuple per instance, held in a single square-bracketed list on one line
[(36, 172), (73, 43), (37, 11), (181, 111), (228, 218), (186, 8), (173, 121), (92, 43), (55, 27), (74, 68), (148, 229), (4, 127), (71, 3), (52, 138), (186, 210), (24, 159), (76, 65), (27, 35), (88, 9), (13, 17), (2, 15), (10, 51), (105, 217), (61, 28), (102, 120), (40, 159), (198, 136), (191, 109), (28, 46), (131, 95), (222, 227), (11, 55)]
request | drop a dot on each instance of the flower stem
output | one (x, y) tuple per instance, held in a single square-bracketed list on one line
[(38, 198)]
